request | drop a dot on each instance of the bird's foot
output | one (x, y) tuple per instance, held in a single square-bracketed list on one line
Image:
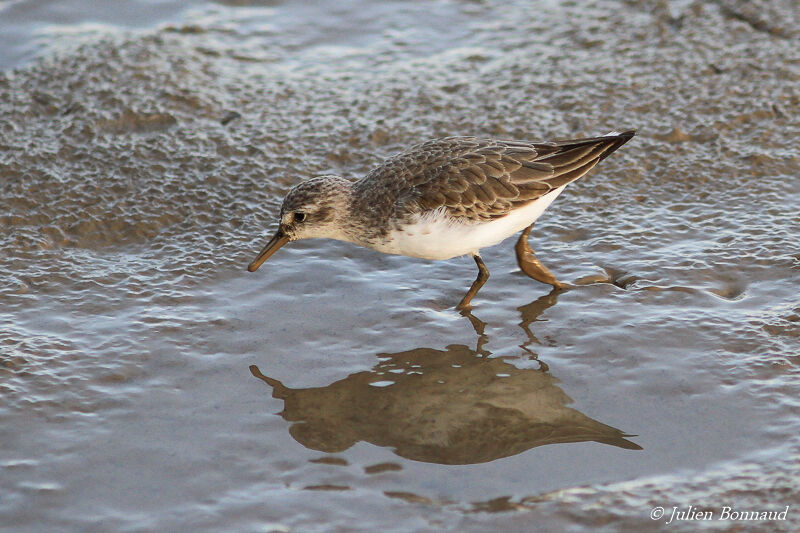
[(530, 264)]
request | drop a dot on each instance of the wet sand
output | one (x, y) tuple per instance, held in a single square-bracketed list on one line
[(149, 383)]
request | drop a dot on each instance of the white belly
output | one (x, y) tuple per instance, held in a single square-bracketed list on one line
[(434, 236)]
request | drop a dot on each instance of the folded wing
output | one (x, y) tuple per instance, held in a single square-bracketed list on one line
[(481, 179)]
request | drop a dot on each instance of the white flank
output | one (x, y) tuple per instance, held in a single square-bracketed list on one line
[(434, 236)]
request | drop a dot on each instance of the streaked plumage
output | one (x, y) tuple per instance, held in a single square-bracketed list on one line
[(442, 198)]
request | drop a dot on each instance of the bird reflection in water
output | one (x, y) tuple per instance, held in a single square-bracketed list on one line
[(452, 406)]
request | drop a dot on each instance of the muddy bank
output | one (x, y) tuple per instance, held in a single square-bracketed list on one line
[(140, 172)]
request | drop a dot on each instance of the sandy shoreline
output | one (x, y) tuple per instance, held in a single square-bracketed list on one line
[(131, 205)]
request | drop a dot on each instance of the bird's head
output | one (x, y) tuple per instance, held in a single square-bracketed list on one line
[(312, 209)]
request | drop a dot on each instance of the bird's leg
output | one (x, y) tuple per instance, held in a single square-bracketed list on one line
[(483, 275), (529, 264)]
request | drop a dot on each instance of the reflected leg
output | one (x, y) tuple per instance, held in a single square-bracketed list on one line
[(530, 265), (483, 275), (480, 328)]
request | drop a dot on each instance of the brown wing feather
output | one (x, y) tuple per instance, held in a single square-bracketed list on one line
[(473, 179), (479, 179)]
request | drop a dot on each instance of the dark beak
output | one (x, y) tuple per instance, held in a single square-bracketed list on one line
[(277, 240)]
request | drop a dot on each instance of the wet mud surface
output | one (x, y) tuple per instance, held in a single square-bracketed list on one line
[(149, 383)]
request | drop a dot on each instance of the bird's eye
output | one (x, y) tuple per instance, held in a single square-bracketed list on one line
[(299, 216)]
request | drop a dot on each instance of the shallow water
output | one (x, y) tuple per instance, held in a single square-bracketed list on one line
[(142, 164)]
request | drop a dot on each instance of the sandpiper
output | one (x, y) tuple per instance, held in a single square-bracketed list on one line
[(444, 198)]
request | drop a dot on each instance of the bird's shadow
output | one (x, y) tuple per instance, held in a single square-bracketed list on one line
[(453, 406)]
